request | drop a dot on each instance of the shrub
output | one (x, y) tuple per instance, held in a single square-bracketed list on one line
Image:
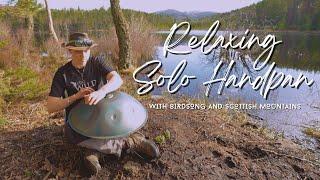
[(23, 84)]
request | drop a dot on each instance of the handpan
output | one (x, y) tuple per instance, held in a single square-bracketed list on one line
[(117, 115)]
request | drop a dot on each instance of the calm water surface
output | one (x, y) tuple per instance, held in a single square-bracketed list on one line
[(299, 53)]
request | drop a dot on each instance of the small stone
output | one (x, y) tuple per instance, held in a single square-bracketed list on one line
[(195, 168)]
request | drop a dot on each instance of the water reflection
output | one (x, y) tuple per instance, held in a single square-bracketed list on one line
[(299, 53)]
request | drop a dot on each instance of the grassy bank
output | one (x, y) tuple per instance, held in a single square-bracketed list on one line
[(201, 144)]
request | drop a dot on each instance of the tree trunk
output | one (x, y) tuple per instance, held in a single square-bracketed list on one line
[(52, 31), (122, 34)]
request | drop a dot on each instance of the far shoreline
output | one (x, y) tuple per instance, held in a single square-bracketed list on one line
[(253, 30)]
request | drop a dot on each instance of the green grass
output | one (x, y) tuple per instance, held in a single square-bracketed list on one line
[(3, 121), (22, 84), (3, 44), (162, 138)]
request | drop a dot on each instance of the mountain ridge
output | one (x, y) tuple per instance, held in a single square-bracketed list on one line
[(185, 14)]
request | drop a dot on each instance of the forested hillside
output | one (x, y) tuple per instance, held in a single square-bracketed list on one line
[(271, 14)]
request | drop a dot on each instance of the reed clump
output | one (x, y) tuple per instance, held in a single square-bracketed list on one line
[(312, 132), (143, 42)]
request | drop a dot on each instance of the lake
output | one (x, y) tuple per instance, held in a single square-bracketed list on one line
[(299, 53)]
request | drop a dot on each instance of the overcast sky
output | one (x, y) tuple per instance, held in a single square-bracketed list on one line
[(154, 5)]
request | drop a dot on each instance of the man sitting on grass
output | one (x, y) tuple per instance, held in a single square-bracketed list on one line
[(81, 77)]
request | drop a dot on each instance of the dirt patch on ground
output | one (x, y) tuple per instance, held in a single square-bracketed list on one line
[(203, 145)]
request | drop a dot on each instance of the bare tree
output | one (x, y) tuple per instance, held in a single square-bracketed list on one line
[(52, 31), (121, 26)]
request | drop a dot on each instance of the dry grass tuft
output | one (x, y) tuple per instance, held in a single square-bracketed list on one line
[(312, 132), (143, 42)]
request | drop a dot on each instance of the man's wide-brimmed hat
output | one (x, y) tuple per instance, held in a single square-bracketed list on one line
[(79, 41)]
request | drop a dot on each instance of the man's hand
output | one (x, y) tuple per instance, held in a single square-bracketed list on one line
[(95, 97), (84, 91), (114, 82)]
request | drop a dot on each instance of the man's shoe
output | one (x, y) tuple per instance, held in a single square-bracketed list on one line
[(137, 143), (92, 163)]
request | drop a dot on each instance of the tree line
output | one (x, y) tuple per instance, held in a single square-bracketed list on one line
[(267, 14), (271, 14), (34, 18)]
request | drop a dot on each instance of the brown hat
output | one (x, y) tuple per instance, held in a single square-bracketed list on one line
[(79, 41)]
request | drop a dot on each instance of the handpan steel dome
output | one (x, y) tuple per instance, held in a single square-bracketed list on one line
[(117, 115)]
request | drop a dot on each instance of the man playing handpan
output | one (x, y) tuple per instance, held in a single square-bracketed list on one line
[(81, 78)]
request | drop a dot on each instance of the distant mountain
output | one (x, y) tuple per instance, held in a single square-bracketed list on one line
[(185, 15)]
